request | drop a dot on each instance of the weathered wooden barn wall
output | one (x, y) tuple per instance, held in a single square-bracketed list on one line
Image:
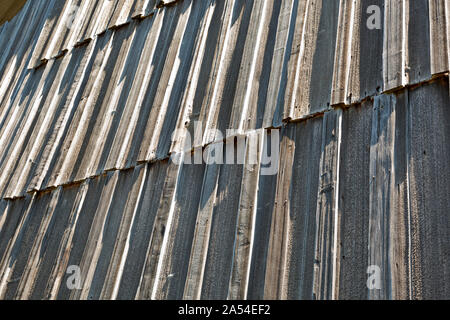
[(91, 92)]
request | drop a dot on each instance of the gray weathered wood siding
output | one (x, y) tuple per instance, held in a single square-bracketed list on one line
[(91, 92)]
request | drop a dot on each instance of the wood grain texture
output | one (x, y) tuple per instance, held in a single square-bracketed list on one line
[(92, 94)]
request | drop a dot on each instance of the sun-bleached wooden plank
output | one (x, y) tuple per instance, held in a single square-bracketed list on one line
[(438, 35), (395, 44)]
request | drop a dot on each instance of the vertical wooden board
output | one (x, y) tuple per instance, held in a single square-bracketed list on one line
[(15, 64), (439, 44), (81, 17), (354, 186), (301, 224), (46, 244), (388, 207), (262, 44), (245, 227), (121, 14), (55, 45), (188, 96), (137, 9), (15, 261), (264, 209), (28, 22), (68, 105), (291, 54), (237, 63), (3, 213), (23, 131), (246, 82), (141, 230), (164, 59), (15, 111), (343, 56), (209, 69), (399, 232), (380, 196), (7, 111), (108, 107), (294, 57), (447, 17), (175, 107), (419, 51), (101, 10), (199, 249), (323, 60), (13, 95), (367, 76), (161, 226), (353, 85), (166, 110), (122, 111), (142, 94), (60, 263), (222, 90), (395, 44), (143, 8), (11, 219), (68, 156), (55, 7), (316, 72), (49, 140), (429, 190), (121, 247), (95, 237), (326, 219), (76, 246), (14, 70), (274, 106), (120, 154), (42, 127), (274, 283), (102, 16), (264, 73), (89, 8), (76, 13), (52, 243), (176, 257), (219, 261)]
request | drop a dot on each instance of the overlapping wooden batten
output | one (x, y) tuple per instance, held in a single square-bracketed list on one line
[(419, 53), (159, 69), (379, 219), (388, 233), (71, 23), (9, 8), (439, 25), (106, 232), (395, 44), (428, 168), (390, 196), (164, 236), (290, 256), (18, 44), (87, 112)]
